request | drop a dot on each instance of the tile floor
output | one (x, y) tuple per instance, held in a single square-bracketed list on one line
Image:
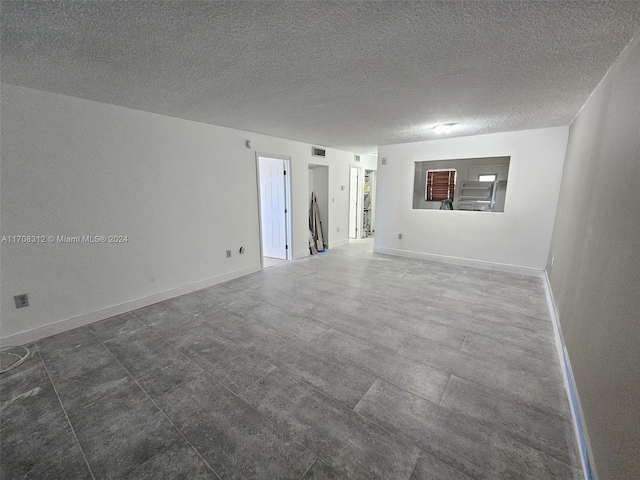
[(347, 364)]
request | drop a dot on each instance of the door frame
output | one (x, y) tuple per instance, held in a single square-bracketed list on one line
[(287, 202), (359, 197)]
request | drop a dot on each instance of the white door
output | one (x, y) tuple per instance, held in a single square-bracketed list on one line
[(273, 208), (353, 202)]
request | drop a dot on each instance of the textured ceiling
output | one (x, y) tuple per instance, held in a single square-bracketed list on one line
[(349, 75)]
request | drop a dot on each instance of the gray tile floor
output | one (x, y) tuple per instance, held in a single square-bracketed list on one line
[(347, 364)]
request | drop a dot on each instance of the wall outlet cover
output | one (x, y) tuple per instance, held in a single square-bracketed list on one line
[(399, 236), (228, 253), (21, 300)]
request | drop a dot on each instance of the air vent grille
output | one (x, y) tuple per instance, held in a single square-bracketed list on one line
[(318, 152)]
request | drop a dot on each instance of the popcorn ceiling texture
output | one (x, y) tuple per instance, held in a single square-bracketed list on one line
[(348, 75)]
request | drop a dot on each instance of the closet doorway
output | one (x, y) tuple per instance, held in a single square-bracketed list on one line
[(362, 196), (319, 190)]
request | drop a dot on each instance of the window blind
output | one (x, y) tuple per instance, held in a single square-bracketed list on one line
[(440, 185)]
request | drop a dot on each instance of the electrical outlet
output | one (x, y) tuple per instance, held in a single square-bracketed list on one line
[(399, 236), (228, 253), (338, 229), (241, 250), (21, 300)]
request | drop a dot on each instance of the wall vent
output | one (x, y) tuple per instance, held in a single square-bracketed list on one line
[(357, 158), (318, 152)]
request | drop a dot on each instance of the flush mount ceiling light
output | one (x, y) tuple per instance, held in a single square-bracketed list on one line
[(443, 128)]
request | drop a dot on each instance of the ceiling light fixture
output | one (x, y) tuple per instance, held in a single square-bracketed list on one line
[(443, 128)]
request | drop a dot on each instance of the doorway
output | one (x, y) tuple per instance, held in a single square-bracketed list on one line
[(274, 194), (319, 190), (362, 192), (355, 217), (369, 204)]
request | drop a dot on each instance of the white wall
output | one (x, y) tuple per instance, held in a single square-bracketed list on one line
[(183, 192), (595, 277), (518, 237)]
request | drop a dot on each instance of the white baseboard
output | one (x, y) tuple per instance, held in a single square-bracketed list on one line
[(466, 262), (339, 243), (579, 427), (36, 334), (301, 254)]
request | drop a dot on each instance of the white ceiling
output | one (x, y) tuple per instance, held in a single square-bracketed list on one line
[(348, 75)]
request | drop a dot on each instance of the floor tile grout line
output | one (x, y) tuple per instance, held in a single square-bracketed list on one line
[(430, 401), (331, 399), (257, 381), (267, 419), (444, 392), (161, 411), (510, 396), (456, 413), (525, 351), (170, 342), (415, 466), (474, 381), (263, 416), (395, 352), (203, 371), (403, 439), (160, 452), (499, 324), (191, 360), (407, 341), (312, 319), (365, 394), (73, 430), (178, 351), (453, 467), (307, 470), (463, 341), (487, 424), (282, 334), (349, 362)]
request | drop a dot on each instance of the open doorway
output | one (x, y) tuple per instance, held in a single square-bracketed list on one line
[(274, 194), (369, 204), (355, 202), (319, 191), (362, 192)]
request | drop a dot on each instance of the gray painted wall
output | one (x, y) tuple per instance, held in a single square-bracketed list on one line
[(596, 274)]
